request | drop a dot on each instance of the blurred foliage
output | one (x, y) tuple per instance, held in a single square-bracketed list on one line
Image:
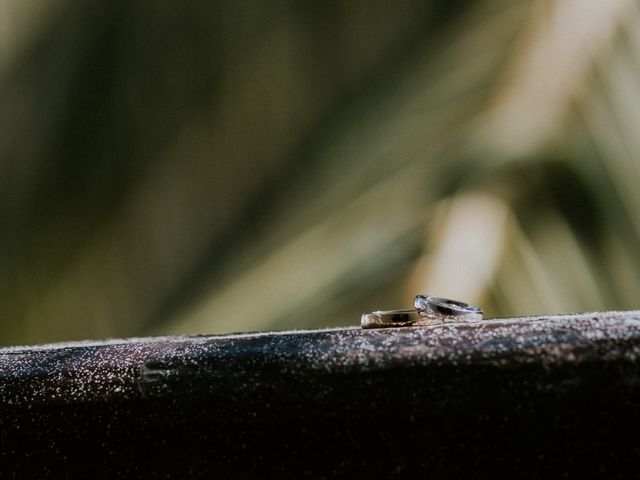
[(199, 167)]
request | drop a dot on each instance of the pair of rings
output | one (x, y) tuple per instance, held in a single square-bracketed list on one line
[(427, 311)]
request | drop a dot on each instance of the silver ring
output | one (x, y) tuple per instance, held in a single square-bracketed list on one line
[(396, 318), (448, 310)]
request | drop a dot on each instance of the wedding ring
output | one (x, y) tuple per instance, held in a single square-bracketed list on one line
[(396, 318), (428, 311), (448, 310)]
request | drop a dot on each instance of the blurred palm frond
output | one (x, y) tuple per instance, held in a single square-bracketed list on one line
[(191, 169)]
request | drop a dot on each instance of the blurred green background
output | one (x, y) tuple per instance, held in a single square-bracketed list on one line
[(177, 167)]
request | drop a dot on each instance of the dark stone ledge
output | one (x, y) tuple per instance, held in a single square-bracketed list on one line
[(530, 397)]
